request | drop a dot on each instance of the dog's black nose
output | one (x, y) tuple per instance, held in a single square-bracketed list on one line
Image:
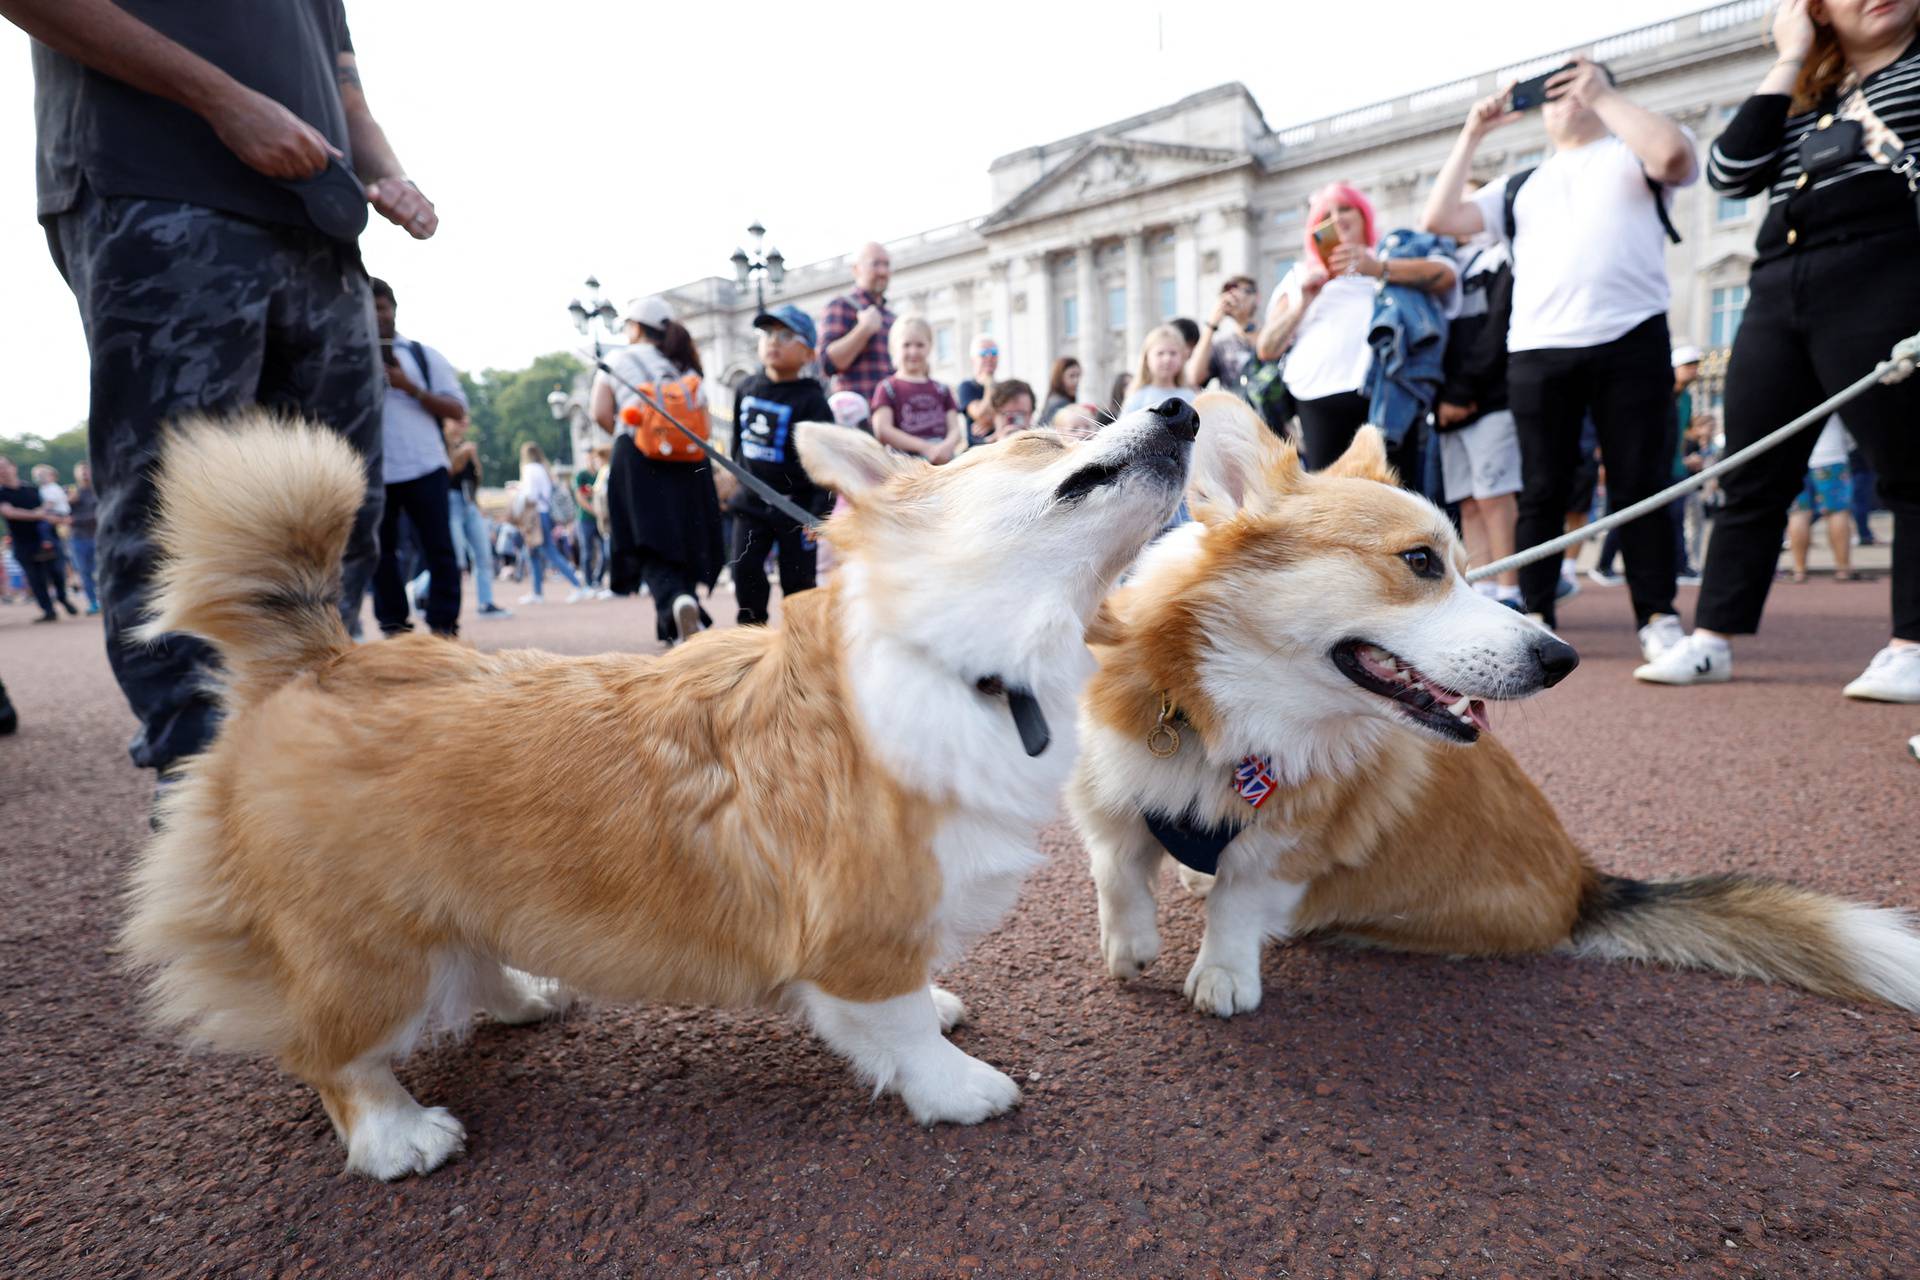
[(1556, 658), (1177, 416)]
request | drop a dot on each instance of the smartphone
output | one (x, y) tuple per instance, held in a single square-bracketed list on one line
[(1326, 236), (1529, 94)]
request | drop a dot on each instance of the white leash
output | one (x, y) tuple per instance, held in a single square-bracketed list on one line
[(1896, 367)]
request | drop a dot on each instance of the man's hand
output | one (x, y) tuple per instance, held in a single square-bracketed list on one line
[(397, 379), (1584, 86), (870, 320), (1222, 308), (404, 205), (1489, 114), (269, 138), (1450, 414)]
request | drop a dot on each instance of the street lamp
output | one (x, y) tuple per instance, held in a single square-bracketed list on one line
[(585, 313), (759, 269)]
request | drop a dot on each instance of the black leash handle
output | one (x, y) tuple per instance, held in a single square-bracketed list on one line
[(762, 490)]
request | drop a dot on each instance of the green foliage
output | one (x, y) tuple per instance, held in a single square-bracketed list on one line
[(29, 451), (508, 407)]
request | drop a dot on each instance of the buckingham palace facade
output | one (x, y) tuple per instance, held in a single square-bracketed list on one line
[(1094, 239)]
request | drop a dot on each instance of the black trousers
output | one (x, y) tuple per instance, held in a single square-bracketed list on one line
[(1327, 427), (46, 578), (424, 503), (753, 537), (189, 310), (666, 580), (1627, 387), (1815, 322)]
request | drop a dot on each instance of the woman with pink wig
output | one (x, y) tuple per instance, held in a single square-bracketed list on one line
[(1320, 315)]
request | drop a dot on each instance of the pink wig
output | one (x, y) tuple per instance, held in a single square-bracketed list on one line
[(1322, 203)]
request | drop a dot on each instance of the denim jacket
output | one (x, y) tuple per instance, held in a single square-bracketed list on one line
[(1409, 340)]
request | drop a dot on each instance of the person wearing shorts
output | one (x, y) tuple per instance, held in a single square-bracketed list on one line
[(1479, 441), (1827, 491)]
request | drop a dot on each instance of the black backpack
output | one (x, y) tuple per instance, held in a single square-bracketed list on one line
[(1519, 180)]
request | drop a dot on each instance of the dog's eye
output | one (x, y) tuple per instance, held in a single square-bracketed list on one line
[(1425, 562)]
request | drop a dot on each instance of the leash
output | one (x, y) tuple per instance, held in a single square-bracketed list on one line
[(1895, 368), (761, 489)]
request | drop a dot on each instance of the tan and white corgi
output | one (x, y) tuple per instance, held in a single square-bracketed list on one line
[(821, 815), (1291, 696)]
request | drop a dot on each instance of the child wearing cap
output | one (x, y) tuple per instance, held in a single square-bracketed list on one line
[(766, 410)]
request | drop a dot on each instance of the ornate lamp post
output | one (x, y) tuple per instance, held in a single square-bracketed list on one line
[(569, 406), (759, 269)]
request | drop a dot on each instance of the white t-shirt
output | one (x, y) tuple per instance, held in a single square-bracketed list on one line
[(1830, 450), (1330, 354), (1589, 253), (536, 486)]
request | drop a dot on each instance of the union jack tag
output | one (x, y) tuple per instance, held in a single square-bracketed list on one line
[(1253, 779)]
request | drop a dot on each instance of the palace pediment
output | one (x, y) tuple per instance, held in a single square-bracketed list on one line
[(1104, 168)]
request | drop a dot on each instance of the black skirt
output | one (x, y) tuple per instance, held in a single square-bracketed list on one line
[(660, 510)]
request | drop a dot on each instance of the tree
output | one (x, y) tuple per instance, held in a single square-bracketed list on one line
[(508, 407), (62, 451)]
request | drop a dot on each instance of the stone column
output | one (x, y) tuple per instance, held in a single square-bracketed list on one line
[(1002, 304), (1137, 290), (1091, 322), (1186, 267), (1038, 355), (963, 322), (1238, 249)]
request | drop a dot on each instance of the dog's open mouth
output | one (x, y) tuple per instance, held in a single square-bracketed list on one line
[(1420, 697)]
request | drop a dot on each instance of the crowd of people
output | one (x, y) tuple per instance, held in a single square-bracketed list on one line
[(1512, 347)]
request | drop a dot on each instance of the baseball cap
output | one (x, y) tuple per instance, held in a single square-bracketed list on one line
[(790, 317), (1685, 355), (652, 312)]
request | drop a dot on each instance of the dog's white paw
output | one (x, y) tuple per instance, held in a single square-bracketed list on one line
[(1129, 951), (523, 998), (949, 1006), (1197, 883), (964, 1090), (394, 1142), (1221, 991)]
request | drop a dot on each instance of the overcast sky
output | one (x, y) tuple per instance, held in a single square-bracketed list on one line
[(636, 141)]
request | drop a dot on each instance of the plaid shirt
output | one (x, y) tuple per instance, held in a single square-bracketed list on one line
[(872, 366)]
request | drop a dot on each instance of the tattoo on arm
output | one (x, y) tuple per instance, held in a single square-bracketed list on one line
[(346, 72)]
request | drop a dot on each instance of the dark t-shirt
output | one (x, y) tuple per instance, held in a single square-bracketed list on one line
[(102, 133), (1231, 357), (86, 505), (919, 408), (966, 393), (765, 413), (27, 534)]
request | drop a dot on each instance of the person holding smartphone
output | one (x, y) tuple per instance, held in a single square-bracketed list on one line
[(1587, 333), (1835, 283), (1320, 316)]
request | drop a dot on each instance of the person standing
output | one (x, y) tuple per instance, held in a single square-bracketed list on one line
[(35, 544), (971, 395), (1588, 332), (464, 515), (84, 504), (912, 412), (185, 155), (1063, 388), (766, 411), (857, 327), (1835, 283), (422, 392), (536, 499), (1479, 448), (1224, 349), (663, 516)]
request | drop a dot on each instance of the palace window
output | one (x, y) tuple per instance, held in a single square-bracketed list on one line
[(1729, 305)]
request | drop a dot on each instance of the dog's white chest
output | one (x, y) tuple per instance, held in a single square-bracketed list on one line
[(983, 862)]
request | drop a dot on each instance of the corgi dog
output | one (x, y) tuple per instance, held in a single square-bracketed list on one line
[(819, 816), (1291, 701)]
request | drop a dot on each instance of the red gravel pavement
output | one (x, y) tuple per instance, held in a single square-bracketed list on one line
[(1379, 1115)]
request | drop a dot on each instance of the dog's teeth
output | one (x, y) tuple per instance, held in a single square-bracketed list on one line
[(1461, 707)]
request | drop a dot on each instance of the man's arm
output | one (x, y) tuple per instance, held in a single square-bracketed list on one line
[(389, 190), (10, 512), (99, 34), (1660, 145), (845, 349), (1448, 213)]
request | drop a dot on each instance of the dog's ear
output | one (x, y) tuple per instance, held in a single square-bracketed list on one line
[(846, 460), (1365, 458), (1237, 462)]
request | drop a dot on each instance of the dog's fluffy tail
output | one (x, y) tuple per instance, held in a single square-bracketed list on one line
[(254, 515), (1757, 929)]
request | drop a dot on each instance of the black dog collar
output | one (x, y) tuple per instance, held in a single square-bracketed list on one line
[(1027, 716)]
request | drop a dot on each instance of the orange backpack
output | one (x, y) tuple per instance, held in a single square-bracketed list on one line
[(659, 439)]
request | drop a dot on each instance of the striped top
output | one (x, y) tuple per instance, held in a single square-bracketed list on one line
[(1759, 153)]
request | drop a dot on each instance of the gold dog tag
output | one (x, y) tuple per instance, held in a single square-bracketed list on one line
[(1163, 740)]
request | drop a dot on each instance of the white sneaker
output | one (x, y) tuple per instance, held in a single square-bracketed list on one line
[(1892, 676), (1660, 635), (686, 616), (1694, 659), (604, 593), (531, 600), (1600, 579), (1913, 746), (578, 594)]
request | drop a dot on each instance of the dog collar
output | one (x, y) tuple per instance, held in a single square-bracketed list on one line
[(1200, 847), (1027, 716)]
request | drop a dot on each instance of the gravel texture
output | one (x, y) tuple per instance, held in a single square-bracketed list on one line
[(1380, 1115)]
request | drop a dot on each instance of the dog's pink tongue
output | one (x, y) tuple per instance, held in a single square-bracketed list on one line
[(1477, 712)]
